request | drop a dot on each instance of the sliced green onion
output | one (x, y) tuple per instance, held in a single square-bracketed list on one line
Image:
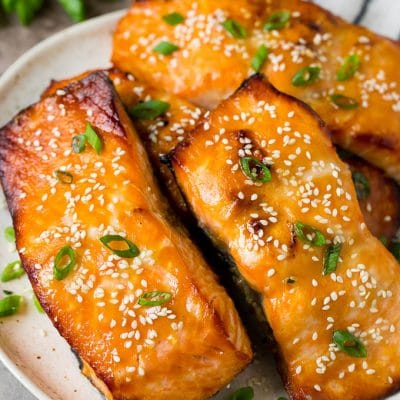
[(64, 176), (93, 138), (78, 143), (277, 20), (260, 57), (384, 240), (10, 305), (281, 398), (361, 184), (173, 18), (349, 68), (255, 169), (62, 269), (237, 30), (131, 252), (306, 76), (12, 271), (244, 393), (151, 299), (309, 234), (332, 258), (165, 48), (149, 109), (344, 102), (75, 9), (9, 234), (349, 343), (37, 305), (7, 292), (395, 250)]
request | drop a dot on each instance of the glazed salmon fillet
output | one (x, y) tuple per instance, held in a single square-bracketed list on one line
[(109, 263), (345, 72), (264, 180), (380, 202)]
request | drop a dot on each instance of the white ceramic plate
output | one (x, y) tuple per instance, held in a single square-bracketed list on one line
[(29, 345)]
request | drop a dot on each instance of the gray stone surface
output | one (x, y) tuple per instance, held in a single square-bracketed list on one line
[(14, 41)]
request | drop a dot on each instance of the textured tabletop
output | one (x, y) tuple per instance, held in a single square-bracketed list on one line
[(379, 15)]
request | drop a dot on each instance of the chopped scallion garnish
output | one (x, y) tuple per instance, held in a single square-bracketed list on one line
[(332, 258), (12, 271), (173, 18), (309, 234), (255, 169), (151, 299), (149, 109), (349, 67), (344, 102), (165, 48), (278, 20), (260, 57), (349, 343), (131, 252), (395, 250), (78, 143), (9, 234), (306, 76), (37, 305), (10, 305), (93, 138), (244, 393), (64, 176), (61, 268), (237, 30), (361, 184)]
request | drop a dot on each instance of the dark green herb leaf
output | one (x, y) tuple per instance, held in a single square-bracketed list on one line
[(173, 18), (64, 176), (10, 305), (277, 20), (75, 9), (131, 252), (255, 169), (7, 292), (26, 10), (244, 393), (344, 102), (350, 344), (260, 57), (309, 234), (151, 299), (165, 48), (332, 258), (12, 271), (306, 76), (9, 234), (361, 184), (61, 270), (9, 5), (235, 29), (349, 67), (384, 240), (149, 109)]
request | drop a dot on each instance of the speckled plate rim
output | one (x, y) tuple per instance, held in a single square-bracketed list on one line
[(10, 76)]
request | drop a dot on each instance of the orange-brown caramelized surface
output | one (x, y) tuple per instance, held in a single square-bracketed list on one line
[(185, 348), (255, 222)]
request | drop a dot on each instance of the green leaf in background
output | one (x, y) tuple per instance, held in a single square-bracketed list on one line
[(8, 5), (75, 9), (27, 9)]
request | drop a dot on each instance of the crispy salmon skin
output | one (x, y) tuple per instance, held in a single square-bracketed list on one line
[(265, 181), (141, 308), (345, 72)]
